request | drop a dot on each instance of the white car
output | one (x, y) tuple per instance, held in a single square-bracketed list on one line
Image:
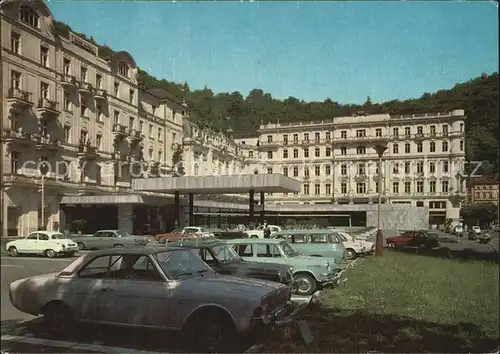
[(476, 229), (259, 232), (197, 231), (47, 243), (353, 247)]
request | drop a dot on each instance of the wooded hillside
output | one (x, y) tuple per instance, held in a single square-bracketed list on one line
[(479, 98)]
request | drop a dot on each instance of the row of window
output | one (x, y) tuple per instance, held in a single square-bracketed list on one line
[(485, 196), (361, 133), (361, 168), (361, 150), (361, 188), (16, 47), (16, 83)]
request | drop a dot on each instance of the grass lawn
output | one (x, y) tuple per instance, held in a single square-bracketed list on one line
[(404, 303)]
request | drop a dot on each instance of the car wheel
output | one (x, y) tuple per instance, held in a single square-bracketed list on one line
[(211, 331), (350, 254), (81, 246), (306, 284), (50, 253), (58, 318), (13, 251), (118, 246)]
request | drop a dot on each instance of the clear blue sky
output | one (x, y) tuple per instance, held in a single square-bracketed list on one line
[(311, 50)]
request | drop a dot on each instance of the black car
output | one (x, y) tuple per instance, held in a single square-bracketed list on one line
[(224, 260)]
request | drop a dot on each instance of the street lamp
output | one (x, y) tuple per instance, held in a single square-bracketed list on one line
[(380, 149), (43, 171)]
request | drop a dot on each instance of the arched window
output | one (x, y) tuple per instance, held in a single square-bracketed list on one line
[(123, 69), (29, 16)]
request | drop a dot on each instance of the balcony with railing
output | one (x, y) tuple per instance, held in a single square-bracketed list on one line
[(19, 98), (134, 138), (119, 131), (357, 139), (85, 88), (17, 138), (87, 151), (67, 81), (100, 94), (48, 108), (46, 142)]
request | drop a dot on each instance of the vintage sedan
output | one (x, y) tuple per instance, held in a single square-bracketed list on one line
[(309, 273), (108, 239), (224, 260), (47, 243), (410, 239), (315, 242), (188, 231), (155, 287)]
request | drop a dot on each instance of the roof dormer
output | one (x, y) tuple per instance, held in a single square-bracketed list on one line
[(124, 65)]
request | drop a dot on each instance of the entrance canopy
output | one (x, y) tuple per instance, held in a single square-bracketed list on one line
[(115, 199), (234, 184)]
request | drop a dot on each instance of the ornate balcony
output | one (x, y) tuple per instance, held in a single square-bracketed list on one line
[(86, 151), (100, 94), (48, 108), (15, 138), (135, 138), (68, 81), (119, 130), (85, 88), (19, 98), (44, 143)]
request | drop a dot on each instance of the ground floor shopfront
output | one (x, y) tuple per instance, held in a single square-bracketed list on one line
[(141, 212), (143, 216)]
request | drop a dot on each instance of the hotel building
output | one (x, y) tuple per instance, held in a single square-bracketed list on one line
[(337, 162), (62, 102)]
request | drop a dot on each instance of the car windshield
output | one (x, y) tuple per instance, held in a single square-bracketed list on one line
[(57, 236), (192, 230), (288, 249), (181, 264), (343, 238), (225, 254), (121, 233)]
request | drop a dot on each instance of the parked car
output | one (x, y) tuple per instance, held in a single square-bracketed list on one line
[(155, 287), (173, 236), (229, 234), (309, 273), (224, 260), (109, 239), (47, 243), (259, 231), (420, 239), (355, 247), (188, 231), (315, 243)]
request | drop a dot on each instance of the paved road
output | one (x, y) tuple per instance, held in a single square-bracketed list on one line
[(24, 333)]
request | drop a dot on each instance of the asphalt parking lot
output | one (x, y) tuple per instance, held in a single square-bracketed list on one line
[(23, 333)]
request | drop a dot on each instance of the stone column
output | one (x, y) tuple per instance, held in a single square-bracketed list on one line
[(125, 217)]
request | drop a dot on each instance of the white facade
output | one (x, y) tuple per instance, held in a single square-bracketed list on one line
[(87, 117), (337, 162)]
